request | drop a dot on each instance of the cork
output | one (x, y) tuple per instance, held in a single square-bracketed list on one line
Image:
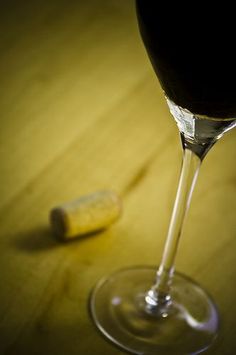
[(85, 215)]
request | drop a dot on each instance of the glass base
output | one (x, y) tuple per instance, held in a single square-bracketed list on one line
[(119, 310)]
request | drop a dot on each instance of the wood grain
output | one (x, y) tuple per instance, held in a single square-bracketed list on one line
[(81, 110)]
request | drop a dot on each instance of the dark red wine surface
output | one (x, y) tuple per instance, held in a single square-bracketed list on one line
[(192, 52)]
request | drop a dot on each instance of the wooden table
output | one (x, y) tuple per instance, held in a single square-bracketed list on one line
[(81, 110)]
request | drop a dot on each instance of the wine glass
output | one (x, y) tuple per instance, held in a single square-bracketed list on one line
[(142, 310)]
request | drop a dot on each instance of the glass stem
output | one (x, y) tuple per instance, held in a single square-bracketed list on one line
[(159, 293)]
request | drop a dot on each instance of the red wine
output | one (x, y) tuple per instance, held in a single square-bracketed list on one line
[(192, 53)]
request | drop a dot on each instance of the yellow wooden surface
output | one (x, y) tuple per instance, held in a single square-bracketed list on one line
[(81, 110)]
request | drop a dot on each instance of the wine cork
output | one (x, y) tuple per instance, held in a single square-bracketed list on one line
[(85, 215)]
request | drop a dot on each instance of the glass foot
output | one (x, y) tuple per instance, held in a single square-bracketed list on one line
[(118, 309)]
